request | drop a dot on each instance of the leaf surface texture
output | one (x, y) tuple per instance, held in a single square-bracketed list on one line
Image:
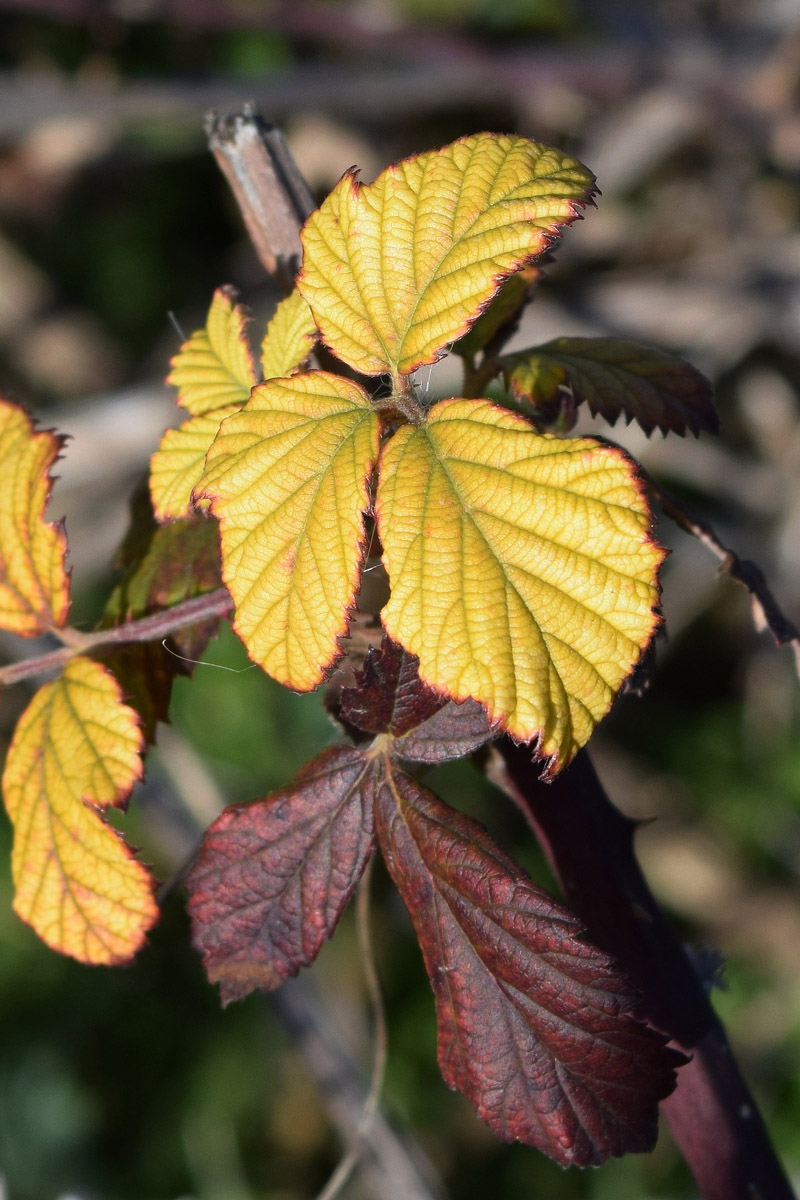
[(273, 877), (289, 339), (522, 569), (534, 1025), (76, 750), (34, 584), (213, 372), (214, 368), (288, 478), (178, 463), (616, 377), (396, 270)]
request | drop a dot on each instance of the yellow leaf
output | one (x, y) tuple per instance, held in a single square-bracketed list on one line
[(214, 368), (177, 465), (522, 569), (289, 338), (76, 749), (34, 585), (288, 478), (397, 270)]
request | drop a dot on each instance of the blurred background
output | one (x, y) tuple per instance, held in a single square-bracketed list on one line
[(132, 1084)]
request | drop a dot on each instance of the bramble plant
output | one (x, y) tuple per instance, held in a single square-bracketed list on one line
[(453, 573)]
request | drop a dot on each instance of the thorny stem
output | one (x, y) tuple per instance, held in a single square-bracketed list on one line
[(768, 612), (346, 1166), (144, 629), (589, 844)]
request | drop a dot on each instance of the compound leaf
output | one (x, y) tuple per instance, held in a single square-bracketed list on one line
[(273, 877), (614, 376), (396, 270), (178, 463), (289, 339), (534, 1025), (288, 478), (522, 569), (214, 368), (34, 582), (76, 750)]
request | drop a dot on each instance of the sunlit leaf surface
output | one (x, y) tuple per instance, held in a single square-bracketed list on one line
[(522, 569), (34, 584), (288, 478), (289, 338), (178, 463), (396, 270), (213, 372), (76, 749), (214, 367), (614, 376), (272, 877), (534, 1024)]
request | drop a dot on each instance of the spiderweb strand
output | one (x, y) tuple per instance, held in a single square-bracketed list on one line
[(199, 662)]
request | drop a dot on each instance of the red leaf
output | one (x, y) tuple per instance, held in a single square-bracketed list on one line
[(389, 696), (452, 732), (535, 1025), (273, 877)]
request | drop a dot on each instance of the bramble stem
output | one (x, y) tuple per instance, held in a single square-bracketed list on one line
[(749, 574), (145, 629), (589, 844), (272, 195), (477, 379)]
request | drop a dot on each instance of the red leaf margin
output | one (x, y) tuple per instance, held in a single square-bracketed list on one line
[(273, 877), (535, 1026)]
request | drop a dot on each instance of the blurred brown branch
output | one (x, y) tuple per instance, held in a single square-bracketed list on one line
[(767, 611)]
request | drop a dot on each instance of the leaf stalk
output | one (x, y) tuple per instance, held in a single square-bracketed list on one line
[(144, 629)]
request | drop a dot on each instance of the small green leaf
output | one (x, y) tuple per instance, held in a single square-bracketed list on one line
[(613, 376)]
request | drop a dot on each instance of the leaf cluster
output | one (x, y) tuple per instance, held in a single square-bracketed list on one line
[(514, 590)]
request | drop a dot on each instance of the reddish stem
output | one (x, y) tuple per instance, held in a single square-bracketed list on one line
[(589, 845), (146, 629)]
